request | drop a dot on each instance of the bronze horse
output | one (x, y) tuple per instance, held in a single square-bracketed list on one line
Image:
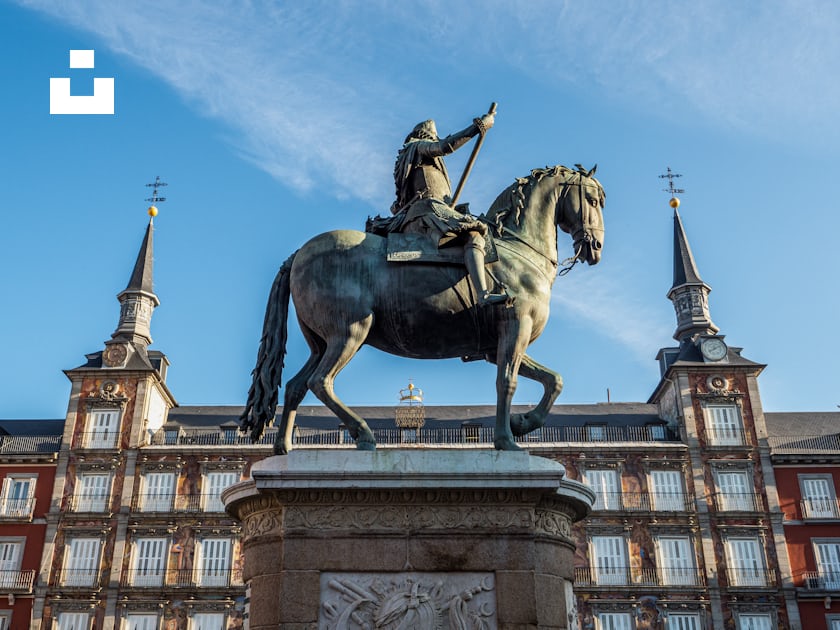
[(346, 294)]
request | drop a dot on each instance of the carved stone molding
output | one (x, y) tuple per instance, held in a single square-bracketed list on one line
[(407, 497), (434, 601), (264, 523)]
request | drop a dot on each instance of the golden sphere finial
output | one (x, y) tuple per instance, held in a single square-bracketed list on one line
[(152, 211), (674, 203)]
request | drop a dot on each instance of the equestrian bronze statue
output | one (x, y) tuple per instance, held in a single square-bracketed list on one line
[(351, 288)]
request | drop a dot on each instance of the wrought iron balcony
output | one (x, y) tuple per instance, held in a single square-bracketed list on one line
[(26, 444), (77, 578), (738, 502), (643, 502), (17, 509), (181, 578), (820, 508), (17, 581), (726, 436), (635, 576), (98, 440), (96, 505), (821, 580), (163, 503), (750, 578)]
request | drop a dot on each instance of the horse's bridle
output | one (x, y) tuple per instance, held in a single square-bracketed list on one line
[(586, 223)]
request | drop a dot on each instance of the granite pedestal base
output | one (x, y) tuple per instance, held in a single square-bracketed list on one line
[(426, 539)]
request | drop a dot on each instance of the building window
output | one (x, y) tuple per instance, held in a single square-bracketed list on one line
[(149, 562), (746, 562), (736, 492), (666, 491), (17, 499), (676, 560), (472, 432), (656, 431), (73, 621), (609, 559), (684, 622), (208, 621), (10, 557), (832, 621), (596, 432), (606, 486), (214, 555), (92, 491), (819, 499), (723, 425), (754, 622), (828, 563), (5, 619), (103, 428), (158, 492), (614, 621), (81, 562), (214, 483), (408, 436), (140, 621)]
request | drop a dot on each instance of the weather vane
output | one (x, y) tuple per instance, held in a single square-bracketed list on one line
[(155, 198), (671, 176)]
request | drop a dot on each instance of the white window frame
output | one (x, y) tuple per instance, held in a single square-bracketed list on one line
[(150, 555), (740, 501), (78, 551), (614, 621), (207, 621), (676, 560), (72, 620), (684, 621), (818, 502), (103, 428), (214, 561), (724, 424), (666, 489), (11, 557), (609, 560), (141, 621), (746, 571), (755, 621), (827, 557), (158, 496), (606, 483), (92, 497), (832, 622), (12, 504), (5, 619), (212, 486)]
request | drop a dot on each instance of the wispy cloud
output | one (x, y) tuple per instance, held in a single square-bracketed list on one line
[(309, 88)]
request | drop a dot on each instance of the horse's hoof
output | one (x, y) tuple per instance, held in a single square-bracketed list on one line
[(506, 444), (366, 446)]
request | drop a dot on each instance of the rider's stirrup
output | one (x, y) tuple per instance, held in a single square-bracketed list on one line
[(487, 298)]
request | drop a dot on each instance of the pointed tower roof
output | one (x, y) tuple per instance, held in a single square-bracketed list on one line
[(685, 269), (141, 277)]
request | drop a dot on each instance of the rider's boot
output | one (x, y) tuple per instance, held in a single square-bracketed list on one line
[(474, 260)]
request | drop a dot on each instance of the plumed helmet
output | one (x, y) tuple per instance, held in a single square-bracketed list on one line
[(425, 130)]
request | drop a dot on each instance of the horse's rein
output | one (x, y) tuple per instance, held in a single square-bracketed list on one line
[(585, 223)]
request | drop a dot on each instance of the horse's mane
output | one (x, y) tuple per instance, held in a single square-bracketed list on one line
[(512, 200)]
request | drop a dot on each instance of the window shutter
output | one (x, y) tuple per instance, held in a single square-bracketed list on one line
[(828, 564), (725, 425), (160, 492), (610, 559), (605, 485), (736, 491), (746, 558), (754, 622), (684, 622), (208, 621), (216, 482), (614, 621), (214, 562), (150, 561), (667, 490), (676, 561), (819, 498), (82, 561)]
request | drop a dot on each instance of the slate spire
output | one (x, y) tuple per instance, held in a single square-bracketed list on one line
[(138, 300), (689, 293)]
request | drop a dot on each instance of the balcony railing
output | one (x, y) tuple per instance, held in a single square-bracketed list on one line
[(17, 581), (98, 439), (740, 577), (804, 444), (820, 508), (24, 444), (643, 501), (821, 580), (738, 502), (207, 503), (182, 578), (635, 576), (95, 505), (17, 509), (726, 436), (79, 578)]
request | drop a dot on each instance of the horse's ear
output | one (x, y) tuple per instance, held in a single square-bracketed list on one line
[(592, 171)]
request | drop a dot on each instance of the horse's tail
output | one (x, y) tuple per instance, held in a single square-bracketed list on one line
[(267, 375)]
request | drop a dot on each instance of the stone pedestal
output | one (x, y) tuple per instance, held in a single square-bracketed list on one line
[(433, 539)]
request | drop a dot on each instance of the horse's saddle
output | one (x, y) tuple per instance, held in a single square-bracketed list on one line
[(419, 248)]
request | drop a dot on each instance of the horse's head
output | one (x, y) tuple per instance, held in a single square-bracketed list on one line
[(579, 212)]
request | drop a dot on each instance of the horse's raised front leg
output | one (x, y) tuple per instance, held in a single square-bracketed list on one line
[(552, 382), (338, 352), (513, 341), (295, 391)]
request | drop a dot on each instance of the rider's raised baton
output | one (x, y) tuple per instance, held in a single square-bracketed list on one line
[(470, 162)]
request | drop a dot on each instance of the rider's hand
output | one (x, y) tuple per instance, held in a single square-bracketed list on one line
[(488, 120)]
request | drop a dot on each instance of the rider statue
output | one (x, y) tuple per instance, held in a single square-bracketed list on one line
[(424, 192)]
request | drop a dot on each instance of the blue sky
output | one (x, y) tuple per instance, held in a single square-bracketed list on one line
[(273, 122)]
